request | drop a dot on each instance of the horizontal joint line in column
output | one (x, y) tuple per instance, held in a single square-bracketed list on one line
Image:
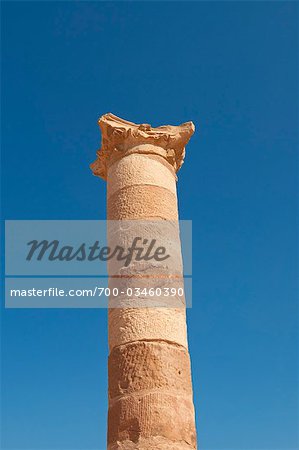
[(147, 185), (154, 390), (162, 341)]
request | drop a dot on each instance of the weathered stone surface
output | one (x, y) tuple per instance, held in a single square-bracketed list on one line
[(136, 324), (138, 169), (119, 136), (152, 414), (141, 202), (143, 366), (151, 236), (153, 443)]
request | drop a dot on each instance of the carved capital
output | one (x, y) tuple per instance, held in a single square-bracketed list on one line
[(120, 138)]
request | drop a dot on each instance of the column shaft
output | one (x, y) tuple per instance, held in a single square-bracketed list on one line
[(150, 387)]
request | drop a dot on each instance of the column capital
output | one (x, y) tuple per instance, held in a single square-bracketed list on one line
[(121, 138)]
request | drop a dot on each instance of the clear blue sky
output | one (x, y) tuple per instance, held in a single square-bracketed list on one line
[(232, 68)]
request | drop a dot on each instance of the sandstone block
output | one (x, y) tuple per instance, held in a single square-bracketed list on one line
[(141, 202), (154, 414), (135, 324), (138, 169), (141, 366)]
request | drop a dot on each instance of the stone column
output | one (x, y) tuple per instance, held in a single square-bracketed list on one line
[(150, 387)]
